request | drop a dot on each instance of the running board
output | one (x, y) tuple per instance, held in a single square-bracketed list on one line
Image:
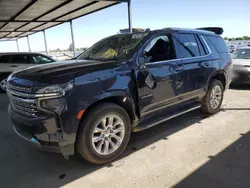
[(161, 120)]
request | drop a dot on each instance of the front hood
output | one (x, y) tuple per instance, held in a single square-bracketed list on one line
[(245, 62), (55, 73)]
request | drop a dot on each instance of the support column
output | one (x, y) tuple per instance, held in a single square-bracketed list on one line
[(45, 42), (28, 43), (129, 17), (72, 38), (17, 45)]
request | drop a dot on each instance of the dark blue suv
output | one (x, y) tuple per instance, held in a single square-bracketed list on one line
[(122, 84)]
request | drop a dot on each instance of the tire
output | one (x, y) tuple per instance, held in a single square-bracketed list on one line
[(208, 106), (85, 145), (3, 81)]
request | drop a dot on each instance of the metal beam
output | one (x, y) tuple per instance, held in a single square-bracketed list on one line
[(28, 43), (17, 45), (72, 38), (31, 21), (45, 42), (129, 17)]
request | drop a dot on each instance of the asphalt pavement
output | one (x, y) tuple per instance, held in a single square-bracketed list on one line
[(190, 151)]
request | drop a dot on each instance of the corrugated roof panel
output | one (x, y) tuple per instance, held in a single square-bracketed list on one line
[(2, 34), (9, 8), (39, 8), (45, 26), (12, 26), (87, 10), (30, 26), (25, 34), (65, 9), (13, 34)]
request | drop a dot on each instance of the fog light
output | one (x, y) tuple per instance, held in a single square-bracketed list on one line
[(54, 105)]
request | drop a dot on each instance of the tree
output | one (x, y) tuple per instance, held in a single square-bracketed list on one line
[(70, 47), (246, 38), (225, 38)]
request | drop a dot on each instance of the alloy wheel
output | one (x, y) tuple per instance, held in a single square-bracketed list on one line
[(215, 97), (3, 84), (108, 134)]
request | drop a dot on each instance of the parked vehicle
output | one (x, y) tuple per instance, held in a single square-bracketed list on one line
[(232, 48), (10, 62), (241, 66), (122, 84)]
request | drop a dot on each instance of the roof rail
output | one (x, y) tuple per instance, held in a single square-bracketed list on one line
[(217, 30)]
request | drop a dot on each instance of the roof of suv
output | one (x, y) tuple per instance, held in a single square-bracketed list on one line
[(18, 53), (198, 31)]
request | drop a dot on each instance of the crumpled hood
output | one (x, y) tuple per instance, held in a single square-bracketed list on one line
[(56, 73)]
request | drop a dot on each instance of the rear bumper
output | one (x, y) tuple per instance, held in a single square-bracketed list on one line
[(36, 131), (241, 77)]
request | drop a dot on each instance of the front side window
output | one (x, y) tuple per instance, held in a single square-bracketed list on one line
[(114, 47), (40, 59), (187, 46), (242, 54), (159, 49)]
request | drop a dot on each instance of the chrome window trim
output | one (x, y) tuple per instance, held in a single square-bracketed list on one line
[(187, 58)]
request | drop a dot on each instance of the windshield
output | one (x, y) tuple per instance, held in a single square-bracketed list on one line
[(114, 47), (242, 54)]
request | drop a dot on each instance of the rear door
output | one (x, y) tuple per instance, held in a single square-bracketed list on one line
[(5, 64), (20, 61), (192, 78)]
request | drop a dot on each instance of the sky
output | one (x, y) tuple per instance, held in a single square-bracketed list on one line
[(233, 16)]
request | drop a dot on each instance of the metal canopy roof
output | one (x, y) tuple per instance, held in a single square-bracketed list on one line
[(20, 18)]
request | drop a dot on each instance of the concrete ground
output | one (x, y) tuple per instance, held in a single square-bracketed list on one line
[(187, 152)]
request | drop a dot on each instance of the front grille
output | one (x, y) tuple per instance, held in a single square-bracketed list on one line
[(19, 88), (23, 103)]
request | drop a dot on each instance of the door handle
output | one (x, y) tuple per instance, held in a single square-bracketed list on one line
[(178, 69), (13, 66), (206, 64)]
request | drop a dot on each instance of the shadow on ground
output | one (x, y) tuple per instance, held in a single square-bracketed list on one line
[(240, 86), (230, 168), (22, 165)]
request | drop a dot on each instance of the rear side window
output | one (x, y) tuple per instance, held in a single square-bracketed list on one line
[(4, 59), (187, 45), (218, 43)]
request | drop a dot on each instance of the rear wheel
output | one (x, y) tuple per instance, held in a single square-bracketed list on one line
[(104, 133), (212, 101)]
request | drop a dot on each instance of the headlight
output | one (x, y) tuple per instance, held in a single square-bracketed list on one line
[(55, 90)]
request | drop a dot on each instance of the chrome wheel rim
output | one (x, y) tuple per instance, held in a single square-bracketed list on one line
[(215, 97), (108, 134), (3, 84)]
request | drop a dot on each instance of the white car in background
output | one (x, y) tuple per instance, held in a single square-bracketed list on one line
[(241, 66), (13, 61)]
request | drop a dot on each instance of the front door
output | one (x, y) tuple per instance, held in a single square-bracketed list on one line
[(155, 74)]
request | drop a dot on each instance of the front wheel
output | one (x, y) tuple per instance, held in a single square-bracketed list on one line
[(104, 133), (212, 101), (3, 84)]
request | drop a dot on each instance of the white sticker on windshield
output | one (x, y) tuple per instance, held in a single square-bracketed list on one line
[(138, 36), (243, 52)]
